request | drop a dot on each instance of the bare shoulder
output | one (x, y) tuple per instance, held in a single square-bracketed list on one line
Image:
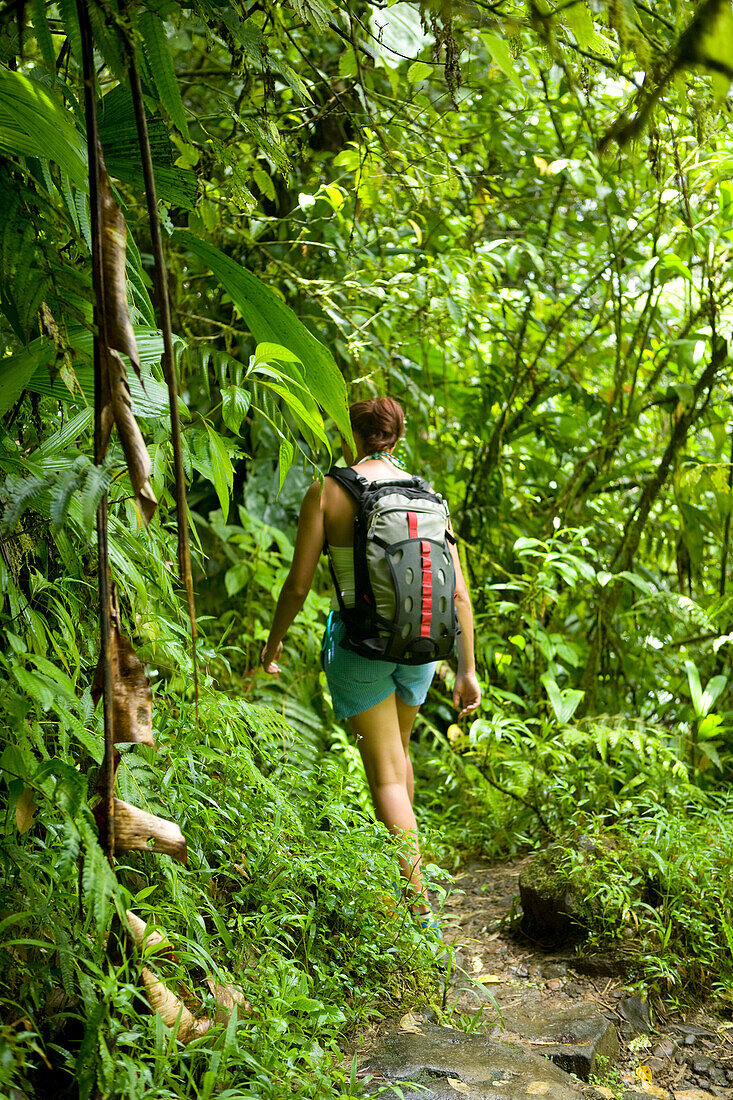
[(312, 501), (325, 496), (313, 493)]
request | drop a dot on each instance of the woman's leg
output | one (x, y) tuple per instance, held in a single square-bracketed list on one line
[(406, 715), (380, 741)]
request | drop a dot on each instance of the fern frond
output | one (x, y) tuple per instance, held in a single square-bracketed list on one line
[(70, 850), (70, 20), (107, 41), (82, 209), (68, 194), (66, 960), (46, 170), (40, 291), (155, 45), (92, 742), (139, 783), (97, 483), (21, 493), (136, 283), (98, 881), (62, 491)]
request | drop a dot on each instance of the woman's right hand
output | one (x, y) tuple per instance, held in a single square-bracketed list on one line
[(268, 657), (466, 693)]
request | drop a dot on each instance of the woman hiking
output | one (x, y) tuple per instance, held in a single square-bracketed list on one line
[(378, 699)]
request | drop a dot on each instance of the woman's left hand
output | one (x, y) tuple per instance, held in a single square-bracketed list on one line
[(466, 693), (268, 657)]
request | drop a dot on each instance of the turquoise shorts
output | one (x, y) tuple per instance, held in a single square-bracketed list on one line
[(357, 683)]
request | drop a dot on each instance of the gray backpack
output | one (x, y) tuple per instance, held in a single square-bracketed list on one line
[(403, 571)]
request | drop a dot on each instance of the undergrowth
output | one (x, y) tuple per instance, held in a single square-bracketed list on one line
[(286, 893), (644, 850), (658, 885)]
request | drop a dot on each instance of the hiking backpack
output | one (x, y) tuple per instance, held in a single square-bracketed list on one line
[(404, 576)]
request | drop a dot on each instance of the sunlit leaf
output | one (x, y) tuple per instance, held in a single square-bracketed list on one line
[(221, 466)]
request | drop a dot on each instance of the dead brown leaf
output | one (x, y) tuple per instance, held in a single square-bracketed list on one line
[(138, 461), (116, 338), (170, 1008), (25, 810), (147, 939), (120, 334), (132, 698), (458, 1085), (226, 997), (138, 831)]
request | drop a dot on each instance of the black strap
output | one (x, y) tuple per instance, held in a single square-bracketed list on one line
[(350, 480)]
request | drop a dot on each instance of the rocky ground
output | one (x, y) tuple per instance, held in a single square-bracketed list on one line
[(510, 1004)]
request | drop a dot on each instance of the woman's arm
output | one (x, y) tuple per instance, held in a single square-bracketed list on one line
[(466, 691), (308, 546)]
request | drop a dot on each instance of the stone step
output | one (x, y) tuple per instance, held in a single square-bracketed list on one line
[(573, 1038), (447, 1064)]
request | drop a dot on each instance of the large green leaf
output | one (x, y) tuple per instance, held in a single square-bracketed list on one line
[(270, 320), (33, 123), (564, 702), (157, 51), (221, 467), (43, 34), (16, 371)]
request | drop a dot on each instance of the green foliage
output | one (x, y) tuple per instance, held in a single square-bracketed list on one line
[(157, 52), (348, 221), (270, 320), (656, 884), (34, 123), (287, 866)]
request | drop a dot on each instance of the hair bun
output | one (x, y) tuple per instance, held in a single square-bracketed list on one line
[(380, 422)]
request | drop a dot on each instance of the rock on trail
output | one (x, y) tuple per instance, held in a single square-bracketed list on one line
[(448, 1063)]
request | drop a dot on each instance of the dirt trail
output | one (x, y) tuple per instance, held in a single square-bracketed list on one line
[(694, 1052)]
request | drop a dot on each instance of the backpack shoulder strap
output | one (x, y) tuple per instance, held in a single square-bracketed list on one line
[(421, 483), (350, 480)]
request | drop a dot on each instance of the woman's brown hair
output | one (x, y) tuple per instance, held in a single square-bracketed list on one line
[(380, 422)]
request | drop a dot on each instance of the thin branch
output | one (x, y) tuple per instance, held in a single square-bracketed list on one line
[(100, 337), (517, 797), (168, 360)]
